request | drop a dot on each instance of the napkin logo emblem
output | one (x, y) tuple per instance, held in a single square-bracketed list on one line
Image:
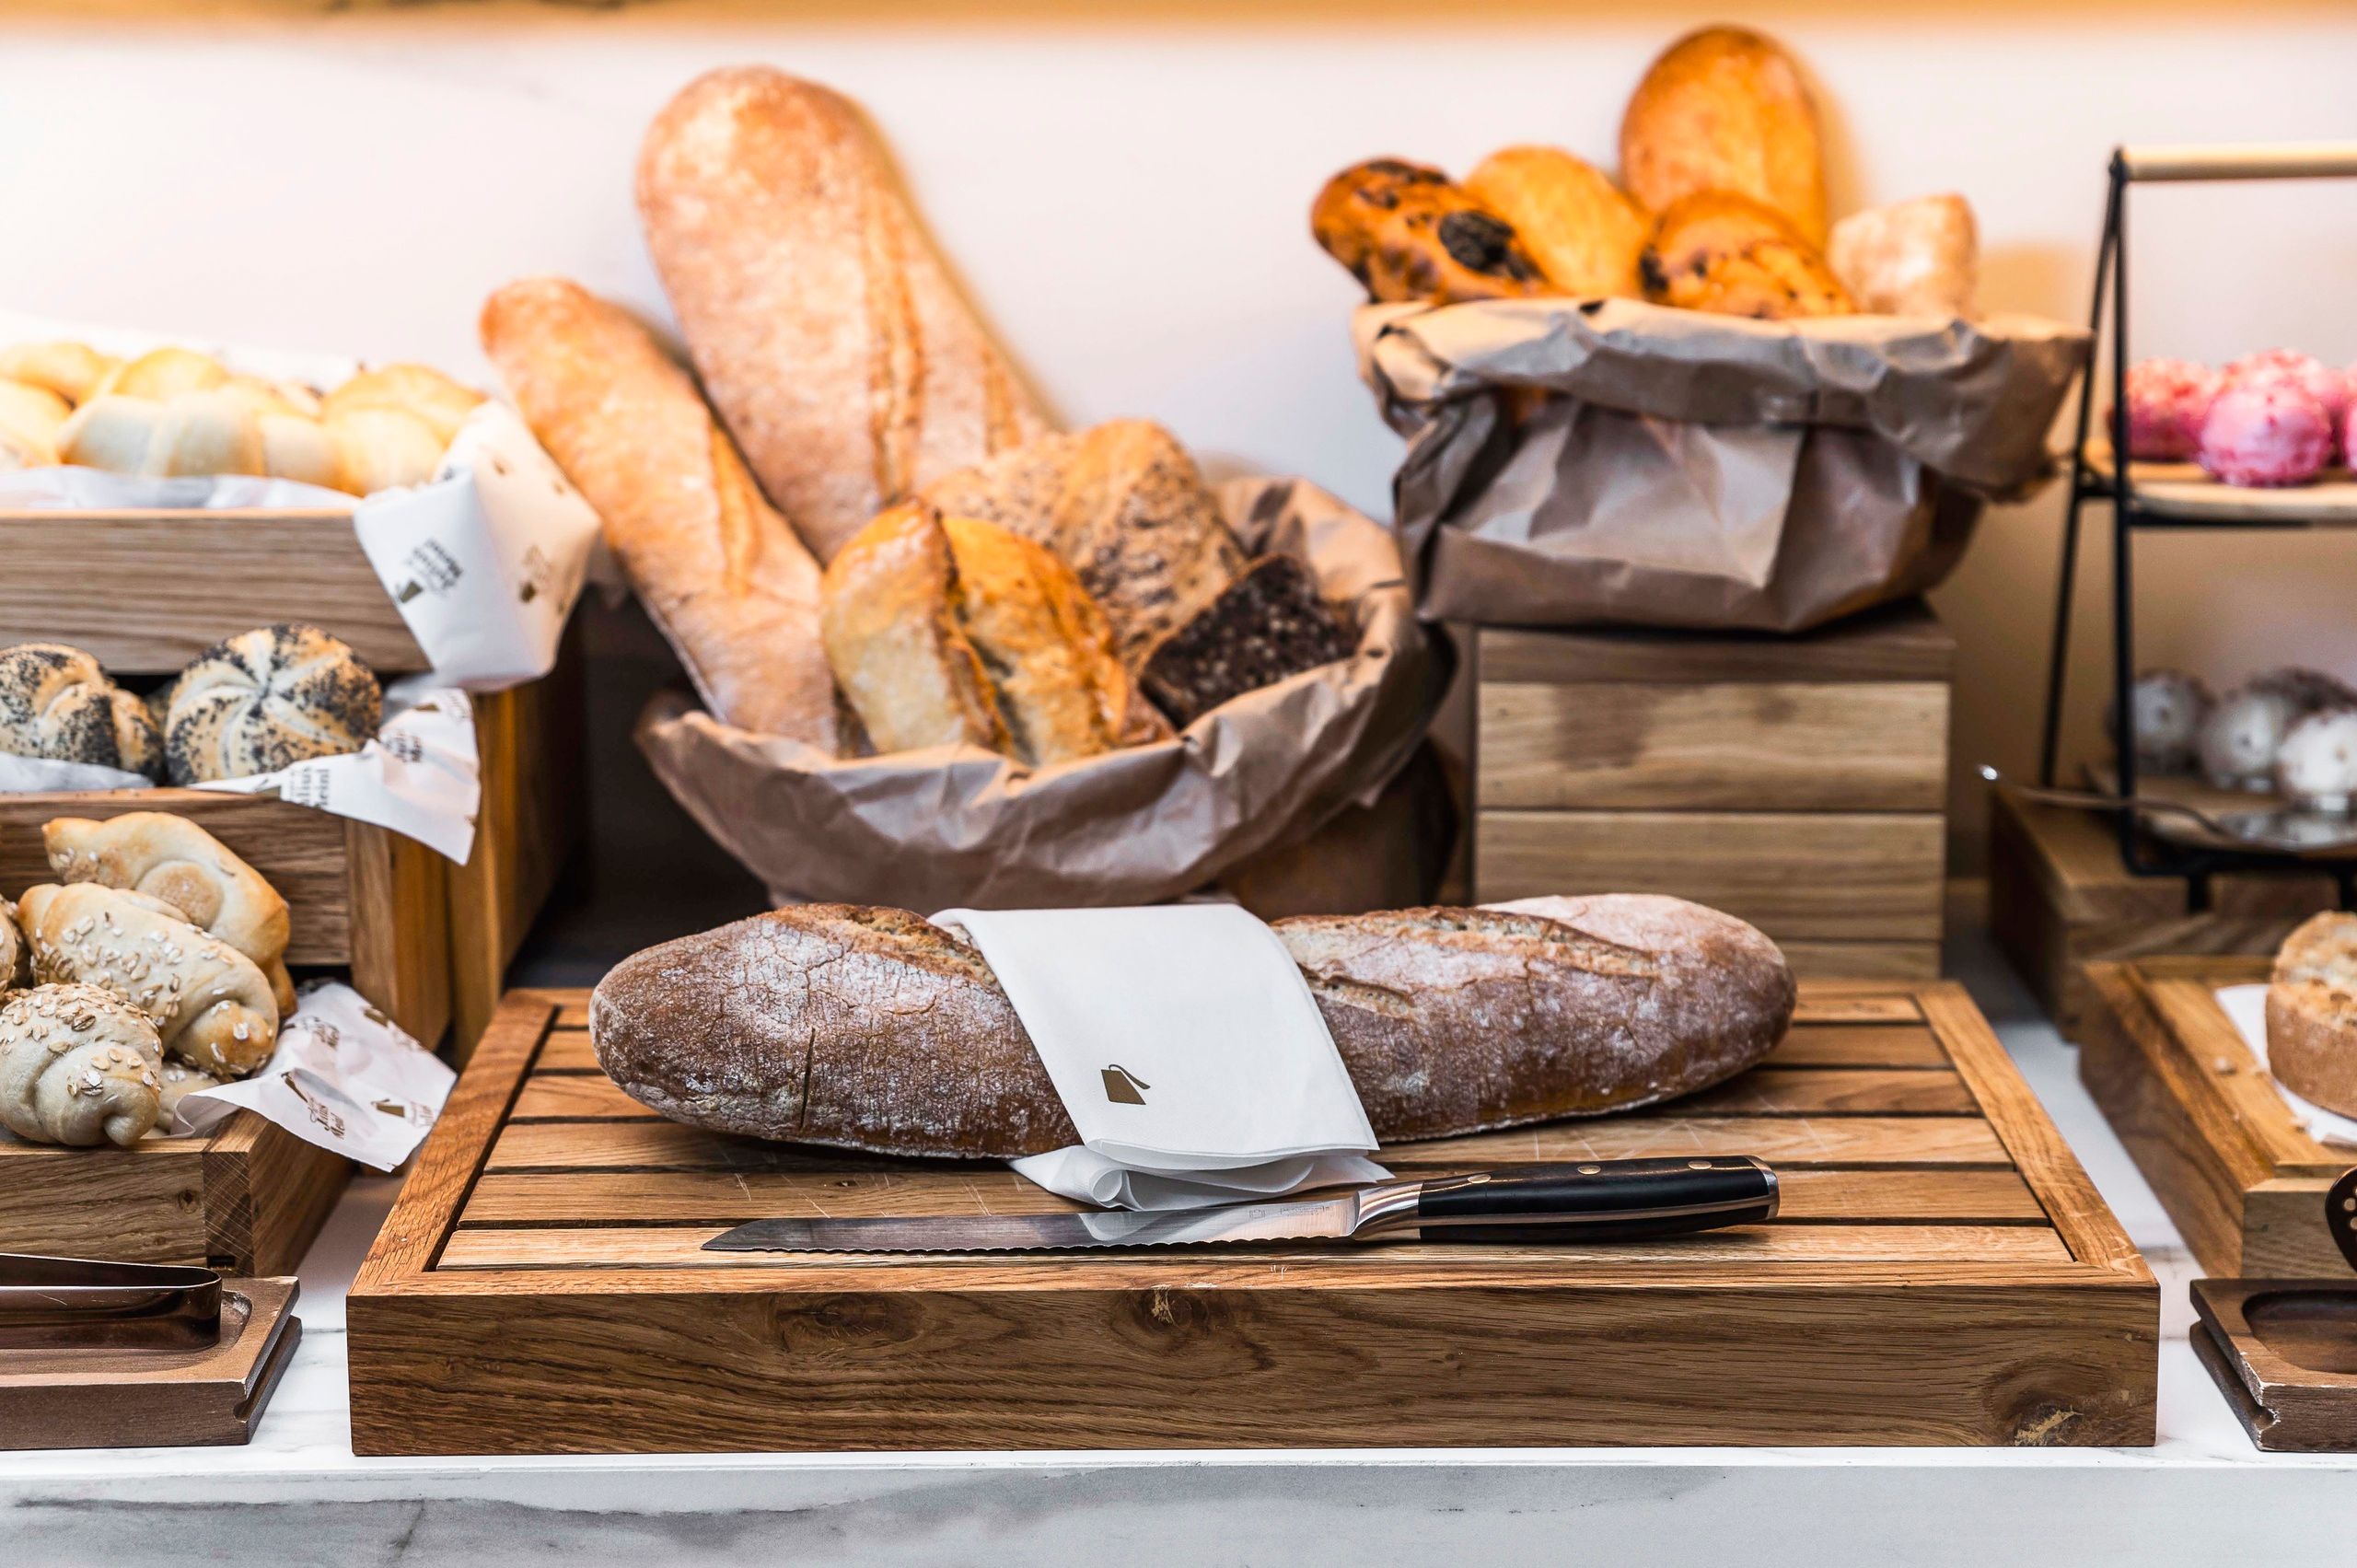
[(1121, 1086)]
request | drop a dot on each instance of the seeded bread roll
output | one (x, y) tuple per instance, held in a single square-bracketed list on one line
[(78, 1067), (2312, 1013), (56, 703), (871, 1028), (827, 330), (1125, 505), (265, 699)]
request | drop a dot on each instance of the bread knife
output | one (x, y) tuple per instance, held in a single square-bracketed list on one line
[(1600, 1200)]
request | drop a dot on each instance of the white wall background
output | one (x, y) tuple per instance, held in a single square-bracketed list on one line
[(1128, 199)]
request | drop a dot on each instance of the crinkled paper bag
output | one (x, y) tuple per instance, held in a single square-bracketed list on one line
[(962, 826), (1700, 471)]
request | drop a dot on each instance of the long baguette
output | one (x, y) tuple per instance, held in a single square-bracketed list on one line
[(827, 330), (718, 570), (871, 1028)]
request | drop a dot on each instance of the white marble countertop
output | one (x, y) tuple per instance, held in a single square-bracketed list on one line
[(298, 1495)]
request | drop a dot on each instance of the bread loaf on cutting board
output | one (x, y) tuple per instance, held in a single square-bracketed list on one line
[(827, 330), (871, 1028)]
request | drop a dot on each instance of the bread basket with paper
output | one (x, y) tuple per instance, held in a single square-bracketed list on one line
[(1684, 400), (946, 652)]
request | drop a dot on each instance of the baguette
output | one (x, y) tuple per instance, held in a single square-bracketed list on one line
[(825, 329), (871, 1028), (720, 572)]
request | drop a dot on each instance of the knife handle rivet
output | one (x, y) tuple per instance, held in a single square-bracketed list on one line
[(1590, 1170), (1477, 1179), (1698, 1165)]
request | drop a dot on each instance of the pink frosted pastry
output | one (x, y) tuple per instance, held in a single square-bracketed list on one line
[(2166, 401), (2289, 366), (2265, 433)]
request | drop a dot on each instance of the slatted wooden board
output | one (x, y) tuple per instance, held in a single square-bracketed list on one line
[(2242, 1181), (1942, 1273)]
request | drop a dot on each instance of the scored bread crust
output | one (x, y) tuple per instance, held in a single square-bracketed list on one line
[(2312, 1013), (731, 585), (1725, 109), (874, 1030), (825, 327)]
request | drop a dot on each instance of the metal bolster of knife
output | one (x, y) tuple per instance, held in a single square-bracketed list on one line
[(1595, 1200)]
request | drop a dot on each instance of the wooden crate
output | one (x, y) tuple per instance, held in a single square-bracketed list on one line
[(247, 1198), (2243, 1183), (146, 591), (1799, 783), (1942, 1273), (2059, 900)]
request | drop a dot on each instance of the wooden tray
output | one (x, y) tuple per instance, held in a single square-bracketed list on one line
[(1943, 1272), (2059, 900), (246, 1198), (2243, 1182), (2285, 1355), (119, 1398), (2184, 490)]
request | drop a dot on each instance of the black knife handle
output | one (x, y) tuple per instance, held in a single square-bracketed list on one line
[(1597, 1200)]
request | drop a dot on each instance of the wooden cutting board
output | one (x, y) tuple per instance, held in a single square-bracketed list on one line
[(1942, 1273)]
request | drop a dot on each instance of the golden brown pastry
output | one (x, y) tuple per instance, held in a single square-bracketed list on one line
[(1726, 109), (1409, 233), (720, 572), (71, 370), (1728, 254), (1577, 225), (1915, 258), (163, 373), (889, 615), (437, 402), (30, 417), (1047, 646), (383, 448), (830, 335)]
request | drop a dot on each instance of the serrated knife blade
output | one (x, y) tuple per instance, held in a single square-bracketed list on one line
[(1604, 1200)]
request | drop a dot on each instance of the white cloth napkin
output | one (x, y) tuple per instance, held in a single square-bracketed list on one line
[(2246, 1006), (344, 1076), (1186, 1049)]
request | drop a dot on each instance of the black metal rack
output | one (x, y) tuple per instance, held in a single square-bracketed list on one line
[(2143, 855)]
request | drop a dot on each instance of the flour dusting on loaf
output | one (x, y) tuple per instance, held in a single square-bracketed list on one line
[(874, 1030)]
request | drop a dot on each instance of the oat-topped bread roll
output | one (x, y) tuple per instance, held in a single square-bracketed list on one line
[(827, 330), (16, 962), (265, 699), (1125, 505), (2312, 1012), (1726, 109), (1576, 223), (720, 572), (171, 858), (78, 1067), (871, 1028), (56, 702), (210, 1003), (1408, 232)]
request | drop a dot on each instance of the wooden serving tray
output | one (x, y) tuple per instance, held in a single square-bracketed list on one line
[(246, 1198), (2236, 1172), (2285, 1355), (146, 1398), (1942, 1273)]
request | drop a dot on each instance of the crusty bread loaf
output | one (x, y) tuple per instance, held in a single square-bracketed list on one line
[(1716, 251), (1408, 232), (888, 614), (827, 330), (1914, 258), (1126, 506), (873, 1029), (1582, 232), (1726, 109), (1049, 652), (724, 576), (2312, 1012)]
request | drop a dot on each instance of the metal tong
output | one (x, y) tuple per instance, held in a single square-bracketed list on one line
[(83, 1303)]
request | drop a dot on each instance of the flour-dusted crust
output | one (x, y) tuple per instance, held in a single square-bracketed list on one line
[(2312, 1013), (827, 330), (873, 1029)]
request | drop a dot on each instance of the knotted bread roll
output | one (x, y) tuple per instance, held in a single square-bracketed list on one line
[(56, 702), (171, 858), (79, 1066), (264, 699), (210, 1003)]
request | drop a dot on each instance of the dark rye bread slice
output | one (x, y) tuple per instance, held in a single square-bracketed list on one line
[(1268, 624), (874, 1030)]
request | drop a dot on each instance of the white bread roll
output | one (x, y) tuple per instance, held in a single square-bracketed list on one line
[(30, 417), (383, 448), (298, 449), (193, 432), (417, 389), (71, 370), (165, 373)]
